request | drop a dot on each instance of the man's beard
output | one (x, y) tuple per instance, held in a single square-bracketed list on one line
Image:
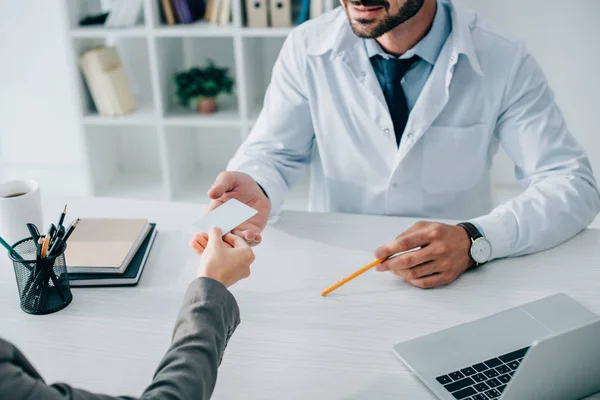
[(360, 26)]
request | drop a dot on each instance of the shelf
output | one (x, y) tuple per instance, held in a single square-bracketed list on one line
[(176, 54), (259, 57), (265, 32), (133, 186), (143, 116), (227, 115), (197, 29), (78, 9), (205, 29), (101, 32), (134, 57), (221, 119)]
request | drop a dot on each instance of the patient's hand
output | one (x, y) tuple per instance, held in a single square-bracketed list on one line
[(225, 259), (242, 187)]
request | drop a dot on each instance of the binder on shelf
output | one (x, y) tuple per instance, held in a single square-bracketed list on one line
[(209, 9), (256, 12), (316, 8), (304, 11), (225, 14), (216, 11), (168, 11), (281, 13)]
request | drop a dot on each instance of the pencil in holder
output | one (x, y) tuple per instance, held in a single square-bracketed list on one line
[(42, 282)]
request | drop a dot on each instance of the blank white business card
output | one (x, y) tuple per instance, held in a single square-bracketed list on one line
[(227, 216)]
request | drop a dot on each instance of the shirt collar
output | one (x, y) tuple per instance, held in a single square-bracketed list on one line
[(427, 48), (339, 38)]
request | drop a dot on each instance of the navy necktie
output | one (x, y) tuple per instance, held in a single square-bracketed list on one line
[(393, 70)]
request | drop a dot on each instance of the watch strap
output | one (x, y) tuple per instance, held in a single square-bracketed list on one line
[(472, 231)]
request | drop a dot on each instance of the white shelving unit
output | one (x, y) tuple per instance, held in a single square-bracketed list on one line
[(163, 151)]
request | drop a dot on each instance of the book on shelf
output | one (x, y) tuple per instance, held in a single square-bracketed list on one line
[(123, 13), (210, 4), (168, 12), (184, 11), (107, 82), (130, 276)]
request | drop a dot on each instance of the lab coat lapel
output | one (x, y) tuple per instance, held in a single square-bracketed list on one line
[(431, 101), (350, 53)]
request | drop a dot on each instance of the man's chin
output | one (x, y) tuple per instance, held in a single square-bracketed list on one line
[(364, 28)]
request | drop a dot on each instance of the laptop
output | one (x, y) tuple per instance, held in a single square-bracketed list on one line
[(547, 349)]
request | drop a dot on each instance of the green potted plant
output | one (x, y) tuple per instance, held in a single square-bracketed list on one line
[(199, 87)]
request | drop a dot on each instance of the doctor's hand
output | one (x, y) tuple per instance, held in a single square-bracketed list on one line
[(225, 259), (242, 187), (440, 254)]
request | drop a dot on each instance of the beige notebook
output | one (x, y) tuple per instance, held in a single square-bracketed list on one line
[(104, 245)]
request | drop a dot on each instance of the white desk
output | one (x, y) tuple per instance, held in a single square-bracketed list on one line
[(292, 343)]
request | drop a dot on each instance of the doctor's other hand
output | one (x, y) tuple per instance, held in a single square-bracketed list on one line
[(440, 254), (242, 187), (225, 259)]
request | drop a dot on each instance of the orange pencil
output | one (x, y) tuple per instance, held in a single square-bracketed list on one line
[(349, 278), (45, 244)]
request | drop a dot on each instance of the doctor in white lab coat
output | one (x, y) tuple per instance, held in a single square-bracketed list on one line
[(467, 90)]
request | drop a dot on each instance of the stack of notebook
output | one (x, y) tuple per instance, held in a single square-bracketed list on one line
[(109, 252)]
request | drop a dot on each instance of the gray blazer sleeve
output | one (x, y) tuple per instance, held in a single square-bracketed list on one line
[(206, 321)]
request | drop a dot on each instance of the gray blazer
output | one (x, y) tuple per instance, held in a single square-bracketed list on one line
[(188, 370)]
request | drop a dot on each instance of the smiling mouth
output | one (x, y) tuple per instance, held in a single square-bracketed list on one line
[(366, 9)]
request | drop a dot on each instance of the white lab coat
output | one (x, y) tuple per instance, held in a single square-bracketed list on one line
[(324, 107)]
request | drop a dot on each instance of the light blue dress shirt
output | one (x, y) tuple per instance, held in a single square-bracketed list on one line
[(428, 49), (324, 109)]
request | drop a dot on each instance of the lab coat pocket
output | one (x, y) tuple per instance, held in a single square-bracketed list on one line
[(454, 158)]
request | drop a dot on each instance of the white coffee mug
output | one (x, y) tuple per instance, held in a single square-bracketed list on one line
[(20, 204)]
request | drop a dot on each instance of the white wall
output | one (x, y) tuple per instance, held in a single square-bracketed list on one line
[(39, 130), (563, 37)]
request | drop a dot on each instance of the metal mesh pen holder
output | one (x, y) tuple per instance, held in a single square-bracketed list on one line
[(43, 284)]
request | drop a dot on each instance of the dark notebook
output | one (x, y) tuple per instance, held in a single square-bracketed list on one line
[(129, 277)]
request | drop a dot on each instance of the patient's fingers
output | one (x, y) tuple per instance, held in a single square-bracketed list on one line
[(199, 242)]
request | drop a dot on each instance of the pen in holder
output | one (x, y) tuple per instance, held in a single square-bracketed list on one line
[(42, 282)]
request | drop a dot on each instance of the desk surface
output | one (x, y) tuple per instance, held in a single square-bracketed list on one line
[(292, 343)]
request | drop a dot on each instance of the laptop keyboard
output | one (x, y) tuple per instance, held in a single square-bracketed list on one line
[(485, 380)]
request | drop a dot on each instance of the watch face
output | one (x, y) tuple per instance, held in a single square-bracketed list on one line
[(481, 250)]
